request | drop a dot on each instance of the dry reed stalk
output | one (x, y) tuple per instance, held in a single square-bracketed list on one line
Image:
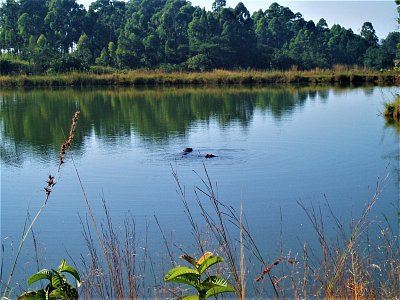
[(96, 227), (124, 277), (305, 260), (2, 261), (242, 255), (218, 228), (195, 228), (170, 255), (129, 258), (345, 269), (68, 142), (389, 286), (268, 269), (51, 181), (215, 221), (359, 227)]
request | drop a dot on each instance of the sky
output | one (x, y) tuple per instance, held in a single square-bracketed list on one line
[(349, 14)]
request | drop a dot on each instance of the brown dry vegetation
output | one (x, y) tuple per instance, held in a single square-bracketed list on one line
[(337, 75)]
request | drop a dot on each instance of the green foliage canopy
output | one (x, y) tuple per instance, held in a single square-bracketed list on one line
[(173, 34)]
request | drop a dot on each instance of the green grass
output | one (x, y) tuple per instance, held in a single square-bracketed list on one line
[(217, 77), (392, 113), (392, 109)]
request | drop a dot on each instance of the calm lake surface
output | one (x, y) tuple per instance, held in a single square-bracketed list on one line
[(274, 146)]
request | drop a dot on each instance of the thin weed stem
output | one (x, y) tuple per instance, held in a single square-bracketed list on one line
[(51, 181)]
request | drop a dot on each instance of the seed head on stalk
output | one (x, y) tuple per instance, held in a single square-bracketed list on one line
[(68, 142)]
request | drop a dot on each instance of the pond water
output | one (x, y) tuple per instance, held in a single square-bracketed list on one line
[(275, 146)]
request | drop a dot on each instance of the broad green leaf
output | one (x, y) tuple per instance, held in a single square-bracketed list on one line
[(208, 262), (213, 281), (38, 295), (57, 279), (58, 294), (190, 279), (68, 269), (179, 271), (62, 265), (42, 274), (191, 297), (72, 292), (218, 290)]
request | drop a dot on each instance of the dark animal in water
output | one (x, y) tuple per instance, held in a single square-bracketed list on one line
[(187, 150), (210, 155)]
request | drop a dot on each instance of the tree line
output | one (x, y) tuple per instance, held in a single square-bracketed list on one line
[(61, 35)]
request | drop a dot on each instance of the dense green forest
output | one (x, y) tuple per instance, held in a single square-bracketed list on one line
[(39, 36)]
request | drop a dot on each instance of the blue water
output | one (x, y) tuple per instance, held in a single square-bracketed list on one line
[(274, 147)]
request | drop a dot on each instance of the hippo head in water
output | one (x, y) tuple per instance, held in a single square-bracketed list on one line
[(187, 150), (210, 155)]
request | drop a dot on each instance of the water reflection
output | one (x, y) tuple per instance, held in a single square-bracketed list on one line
[(32, 121), (275, 145)]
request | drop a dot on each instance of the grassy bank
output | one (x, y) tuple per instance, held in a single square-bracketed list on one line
[(216, 77), (392, 110), (392, 113)]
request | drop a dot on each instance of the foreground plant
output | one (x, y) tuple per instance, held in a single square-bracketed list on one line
[(51, 182), (58, 287), (392, 113), (210, 286), (392, 109)]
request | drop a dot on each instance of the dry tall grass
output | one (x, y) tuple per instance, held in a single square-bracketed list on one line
[(345, 265), (123, 276), (337, 75)]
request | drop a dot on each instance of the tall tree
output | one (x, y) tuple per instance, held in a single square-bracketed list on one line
[(65, 19), (173, 22), (264, 49), (345, 47), (369, 35), (398, 19), (384, 55), (307, 49), (129, 48), (83, 51), (42, 53), (204, 41), (9, 38), (218, 5), (105, 21), (245, 39), (139, 43)]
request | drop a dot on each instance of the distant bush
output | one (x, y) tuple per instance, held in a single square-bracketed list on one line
[(15, 67), (102, 70), (199, 62), (68, 63), (392, 109)]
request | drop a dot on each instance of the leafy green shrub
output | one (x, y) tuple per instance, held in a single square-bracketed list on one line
[(58, 287), (170, 68), (97, 69), (392, 109), (210, 286), (14, 67), (199, 62), (68, 63)]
